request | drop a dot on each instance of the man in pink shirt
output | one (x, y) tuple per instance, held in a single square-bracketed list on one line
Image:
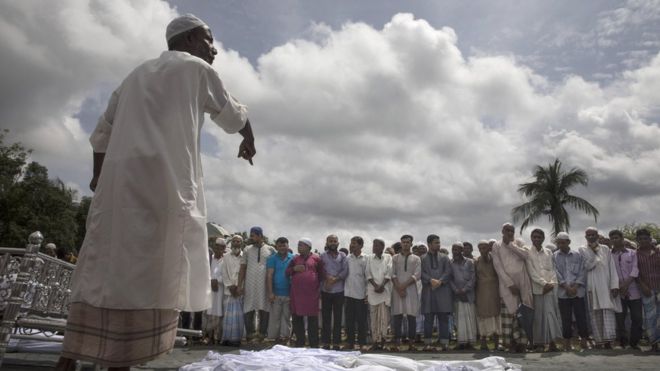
[(625, 261)]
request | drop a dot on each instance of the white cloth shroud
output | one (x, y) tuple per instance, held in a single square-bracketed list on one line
[(283, 358)]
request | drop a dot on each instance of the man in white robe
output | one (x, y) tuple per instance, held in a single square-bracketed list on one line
[(213, 315), (252, 281), (379, 292), (406, 271), (509, 257), (602, 289), (541, 268), (145, 256), (232, 321)]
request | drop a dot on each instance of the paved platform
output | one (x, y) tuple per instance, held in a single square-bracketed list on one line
[(591, 360)]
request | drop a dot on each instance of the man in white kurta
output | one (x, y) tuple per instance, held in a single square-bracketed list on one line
[(509, 257), (213, 315), (602, 289), (379, 292), (145, 252), (406, 271), (232, 321), (252, 281), (541, 268)]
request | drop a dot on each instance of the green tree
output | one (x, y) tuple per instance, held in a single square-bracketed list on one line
[(82, 209), (548, 195), (629, 230), (30, 201), (12, 161)]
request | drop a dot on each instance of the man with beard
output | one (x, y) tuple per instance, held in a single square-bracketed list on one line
[(602, 289), (462, 284), (355, 293), (335, 270), (631, 297), (252, 281), (509, 257), (406, 271), (305, 270), (436, 301), (213, 315), (487, 297), (145, 253), (232, 323), (379, 292)]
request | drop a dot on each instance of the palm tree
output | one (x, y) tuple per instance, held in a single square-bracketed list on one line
[(548, 196)]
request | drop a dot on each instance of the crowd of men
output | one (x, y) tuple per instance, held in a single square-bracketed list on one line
[(512, 297)]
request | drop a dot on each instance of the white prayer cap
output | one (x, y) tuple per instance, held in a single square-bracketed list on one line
[(237, 237), (181, 24), (51, 245), (492, 240), (220, 241), (306, 241), (591, 229), (457, 243), (507, 225), (484, 242), (562, 236)]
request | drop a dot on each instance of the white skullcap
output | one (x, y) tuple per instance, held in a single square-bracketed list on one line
[(457, 243), (306, 241), (484, 242), (492, 240), (562, 236), (220, 241), (237, 237), (507, 225), (591, 229), (51, 245), (181, 24)]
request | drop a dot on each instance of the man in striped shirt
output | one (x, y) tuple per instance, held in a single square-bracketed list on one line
[(648, 259)]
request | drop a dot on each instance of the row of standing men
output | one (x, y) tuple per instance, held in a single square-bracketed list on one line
[(519, 296)]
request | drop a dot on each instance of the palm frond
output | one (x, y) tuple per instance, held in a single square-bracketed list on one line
[(582, 205)]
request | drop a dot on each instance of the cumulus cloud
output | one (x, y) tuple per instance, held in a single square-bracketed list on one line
[(362, 130), (379, 131), (56, 55)]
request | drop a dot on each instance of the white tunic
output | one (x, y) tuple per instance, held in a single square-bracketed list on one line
[(379, 270), (146, 241), (255, 258), (601, 278), (231, 266), (541, 268), (216, 308)]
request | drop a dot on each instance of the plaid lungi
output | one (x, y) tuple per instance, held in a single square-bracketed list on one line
[(118, 337), (511, 330), (232, 322)]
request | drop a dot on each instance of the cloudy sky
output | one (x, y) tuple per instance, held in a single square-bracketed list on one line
[(372, 118)]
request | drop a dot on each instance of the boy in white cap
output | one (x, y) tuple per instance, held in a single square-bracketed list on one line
[(149, 202)]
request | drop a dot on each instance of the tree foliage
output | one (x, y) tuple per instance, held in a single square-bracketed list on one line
[(548, 195), (629, 230), (30, 201)]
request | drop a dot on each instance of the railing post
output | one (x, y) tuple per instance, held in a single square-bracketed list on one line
[(18, 290)]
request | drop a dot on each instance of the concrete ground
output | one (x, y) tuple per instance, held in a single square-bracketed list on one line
[(590, 360)]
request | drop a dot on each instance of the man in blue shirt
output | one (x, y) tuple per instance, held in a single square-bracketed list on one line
[(572, 281), (278, 286), (335, 270)]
